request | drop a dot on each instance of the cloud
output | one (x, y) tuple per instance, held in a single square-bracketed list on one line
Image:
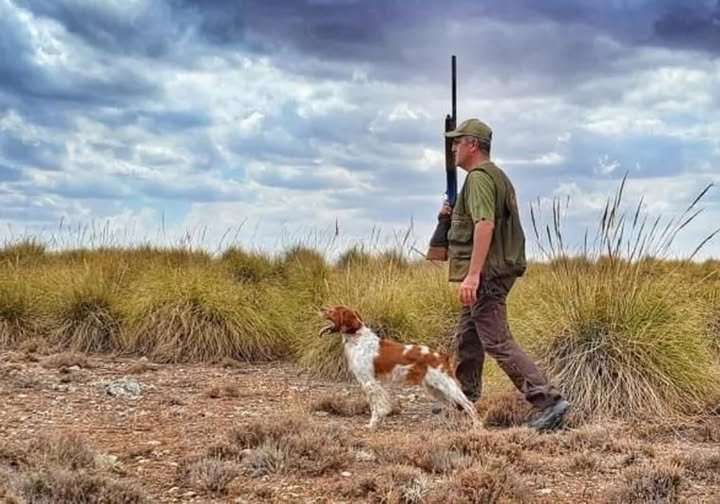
[(288, 116)]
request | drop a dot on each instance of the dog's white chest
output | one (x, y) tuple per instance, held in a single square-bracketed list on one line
[(361, 351)]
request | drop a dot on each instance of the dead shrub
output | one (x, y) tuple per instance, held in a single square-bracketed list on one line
[(210, 474), (268, 458), (393, 484), (508, 409), (584, 462), (217, 392), (433, 454), (482, 484), (343, 406), (65, 451), (699, 462), (66, 359), (65, 486), (655, 483), (302, 446), (142, 366)]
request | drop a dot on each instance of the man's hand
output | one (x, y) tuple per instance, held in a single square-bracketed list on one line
[(468, 290), (446, 210)]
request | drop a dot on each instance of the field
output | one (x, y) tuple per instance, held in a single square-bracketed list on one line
[(148, 374)]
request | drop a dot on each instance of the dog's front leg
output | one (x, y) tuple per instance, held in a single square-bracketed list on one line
[(380, 403)]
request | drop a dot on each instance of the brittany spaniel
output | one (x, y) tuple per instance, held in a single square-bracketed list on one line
[(372, 360)]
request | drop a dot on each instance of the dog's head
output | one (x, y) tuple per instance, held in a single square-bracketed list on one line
[(342, 320)]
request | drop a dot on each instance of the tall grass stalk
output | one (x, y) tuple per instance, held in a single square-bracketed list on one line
[(619, 337)]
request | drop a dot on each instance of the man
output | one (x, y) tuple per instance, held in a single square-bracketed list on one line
[(486, 254)]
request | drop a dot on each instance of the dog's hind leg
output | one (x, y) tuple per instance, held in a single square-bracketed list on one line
[(440, 385), (380, 402)]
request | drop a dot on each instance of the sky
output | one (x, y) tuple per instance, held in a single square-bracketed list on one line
[(265, 124)]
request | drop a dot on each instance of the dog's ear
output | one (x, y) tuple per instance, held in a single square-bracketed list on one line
[(350, 321)]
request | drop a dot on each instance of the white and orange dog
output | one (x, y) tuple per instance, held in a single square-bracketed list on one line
[(372, 360)]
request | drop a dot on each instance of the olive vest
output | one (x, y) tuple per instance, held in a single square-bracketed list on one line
[(506, 256)]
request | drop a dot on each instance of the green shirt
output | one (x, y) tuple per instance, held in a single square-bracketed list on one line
[(480, 194)]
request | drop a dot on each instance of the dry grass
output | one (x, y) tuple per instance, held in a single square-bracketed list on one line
[(66, 486), (198, 314), (609, 328), (483, 484), (66, 360), (341, 405), (392, 484), (295, 445), (209, 475), (81, 304), (60, 468), (505, 409), (656, 483), (143, 365), (19, 317)]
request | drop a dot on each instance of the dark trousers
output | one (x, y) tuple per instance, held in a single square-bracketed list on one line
[(483, 328)]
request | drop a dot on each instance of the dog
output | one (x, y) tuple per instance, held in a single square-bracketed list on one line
[(372, 360)]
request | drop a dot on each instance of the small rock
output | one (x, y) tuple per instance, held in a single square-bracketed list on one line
[(74, 368), (126, 387), (545, 491), (365, 456), (346, 474), (103, 460), (322, 413), (189, 494)]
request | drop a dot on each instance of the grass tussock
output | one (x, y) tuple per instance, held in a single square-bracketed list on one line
[(199, 314), (82, 308), (22, 252), (609, 328), (19, 317), (251, 267)]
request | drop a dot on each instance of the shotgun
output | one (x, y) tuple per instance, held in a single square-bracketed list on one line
[(438, 250)]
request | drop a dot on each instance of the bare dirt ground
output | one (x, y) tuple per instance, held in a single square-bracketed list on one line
[(235, 432)]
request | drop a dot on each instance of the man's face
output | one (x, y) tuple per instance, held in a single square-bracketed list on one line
[(461, 148)]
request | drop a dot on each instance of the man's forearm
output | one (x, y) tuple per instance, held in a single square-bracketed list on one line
[(481, 245)]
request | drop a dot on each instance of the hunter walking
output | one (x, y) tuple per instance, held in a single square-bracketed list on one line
[(486, 253)]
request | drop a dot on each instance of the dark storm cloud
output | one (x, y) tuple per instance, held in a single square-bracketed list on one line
[(23, 76), (690, 26), (145, 28)]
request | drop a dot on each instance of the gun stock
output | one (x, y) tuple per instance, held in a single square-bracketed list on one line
[(438, 250)]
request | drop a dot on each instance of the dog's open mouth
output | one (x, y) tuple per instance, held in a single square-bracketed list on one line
[(330, 328)]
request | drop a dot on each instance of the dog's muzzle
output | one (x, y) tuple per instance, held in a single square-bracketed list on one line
[(328, 329)]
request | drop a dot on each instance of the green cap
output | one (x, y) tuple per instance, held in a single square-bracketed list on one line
[(472, 127)]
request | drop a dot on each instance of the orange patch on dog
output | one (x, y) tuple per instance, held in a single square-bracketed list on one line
[(393, 354)]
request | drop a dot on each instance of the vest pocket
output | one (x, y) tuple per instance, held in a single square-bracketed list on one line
[(461, 230)]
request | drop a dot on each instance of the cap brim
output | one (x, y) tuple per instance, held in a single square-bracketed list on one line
[(453, 134)]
